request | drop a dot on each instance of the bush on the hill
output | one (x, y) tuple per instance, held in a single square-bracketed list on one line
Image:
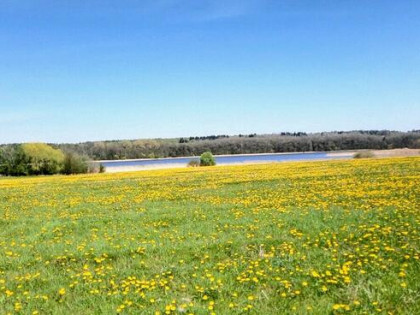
[(74, 164), (94, 167), (193, 163), (364, 155), (207, 159)]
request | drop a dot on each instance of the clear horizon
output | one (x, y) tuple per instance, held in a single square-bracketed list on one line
[(80, 71)]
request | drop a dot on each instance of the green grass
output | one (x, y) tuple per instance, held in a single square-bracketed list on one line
[(306, 238)]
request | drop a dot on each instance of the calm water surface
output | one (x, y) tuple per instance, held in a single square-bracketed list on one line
[(226, 160)]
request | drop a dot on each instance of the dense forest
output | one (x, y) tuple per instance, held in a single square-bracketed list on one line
[(243, 144)]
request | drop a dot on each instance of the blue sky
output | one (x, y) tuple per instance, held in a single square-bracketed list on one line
[(76, 70)]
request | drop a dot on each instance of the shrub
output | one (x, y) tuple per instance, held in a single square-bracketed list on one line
[(207, 159), (193, 163), (74, 164), (94, 167), (364, 155)]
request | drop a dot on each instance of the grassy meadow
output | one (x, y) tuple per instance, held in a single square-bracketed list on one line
[(303, 237)]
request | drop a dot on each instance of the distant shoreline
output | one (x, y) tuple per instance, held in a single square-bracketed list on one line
[(344, 154), (332, 153)]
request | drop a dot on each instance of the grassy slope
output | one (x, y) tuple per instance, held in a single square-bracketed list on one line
[(307, 237)]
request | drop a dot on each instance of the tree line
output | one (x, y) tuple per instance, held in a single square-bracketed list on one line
[(42, 159), (274, 143), (46, 159)]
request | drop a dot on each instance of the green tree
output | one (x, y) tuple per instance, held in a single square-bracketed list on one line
[(207, 159), (13, 161), (43, 158)]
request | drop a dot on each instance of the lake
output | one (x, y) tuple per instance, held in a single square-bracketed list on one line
[(223, 160)]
